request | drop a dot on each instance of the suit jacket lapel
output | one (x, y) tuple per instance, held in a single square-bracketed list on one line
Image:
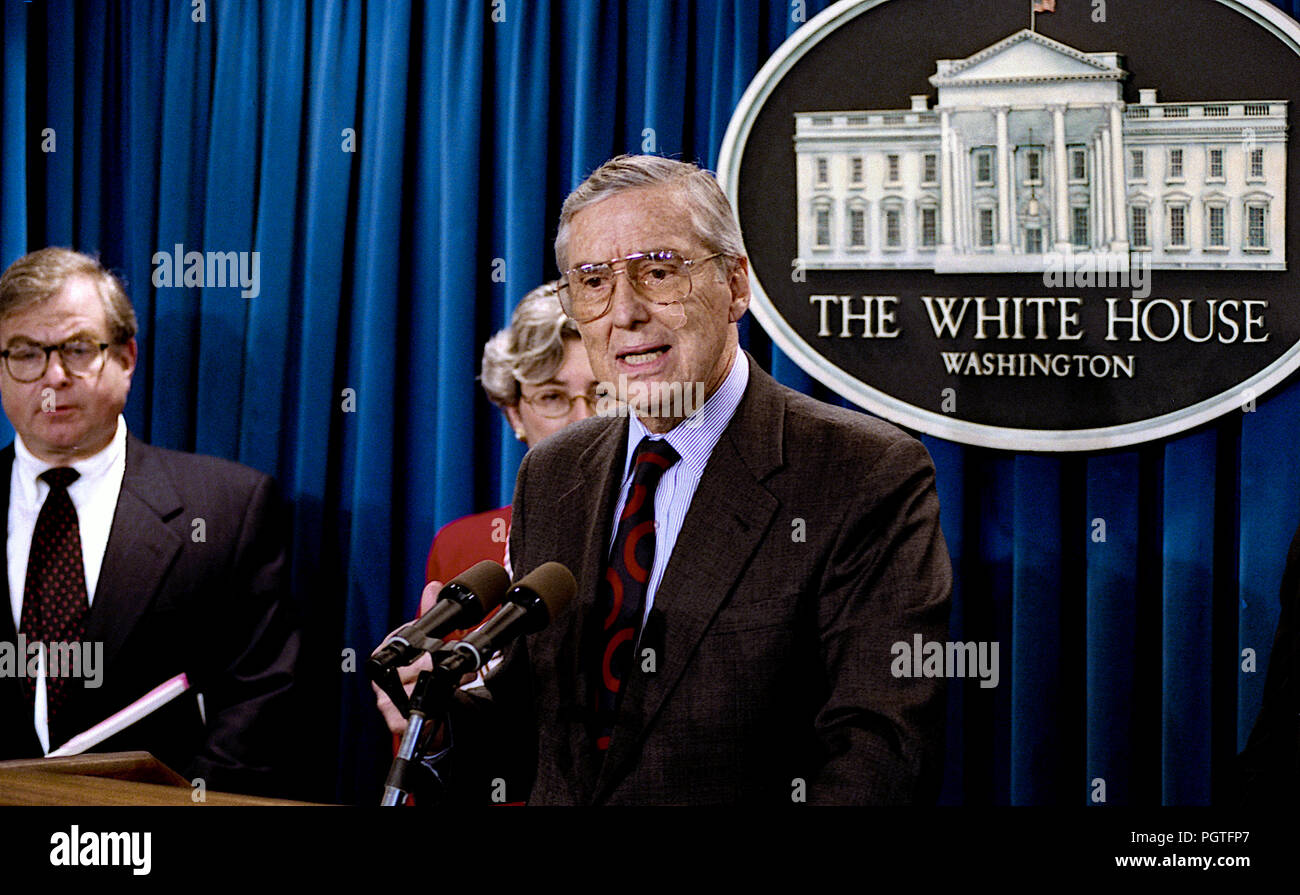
[(19, 735), (587, 505), (7, 630), (728, 517), (141, 547)]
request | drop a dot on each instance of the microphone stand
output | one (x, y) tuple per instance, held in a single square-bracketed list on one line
[(437, 687)]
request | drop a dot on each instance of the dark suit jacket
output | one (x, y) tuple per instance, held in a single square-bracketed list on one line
[(167, 602), (812, 545)]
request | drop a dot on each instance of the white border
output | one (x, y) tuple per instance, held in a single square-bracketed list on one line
[(1262, 13)]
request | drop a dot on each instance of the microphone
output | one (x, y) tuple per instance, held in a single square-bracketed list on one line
[(462, 603), (539, 596), (533, 602)]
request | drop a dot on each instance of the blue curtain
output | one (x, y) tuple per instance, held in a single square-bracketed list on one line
[(399, 169)]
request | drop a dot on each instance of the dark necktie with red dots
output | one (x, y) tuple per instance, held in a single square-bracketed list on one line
[(620, 600), (54, 595)]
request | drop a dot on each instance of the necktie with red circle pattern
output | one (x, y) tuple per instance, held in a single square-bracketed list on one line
[(621, 597)]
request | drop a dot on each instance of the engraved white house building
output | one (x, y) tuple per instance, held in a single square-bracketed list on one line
[(1029, 150)]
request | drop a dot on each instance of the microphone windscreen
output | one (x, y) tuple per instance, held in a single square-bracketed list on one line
[(487, 580), (553, 583)]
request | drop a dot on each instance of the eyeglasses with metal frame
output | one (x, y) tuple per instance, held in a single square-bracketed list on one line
[(661, 276), (554, 403)]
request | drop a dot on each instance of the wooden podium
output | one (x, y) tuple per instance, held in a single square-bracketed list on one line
[(111, 778)]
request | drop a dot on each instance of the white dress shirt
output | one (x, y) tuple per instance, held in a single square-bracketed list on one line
[(94, 496), (694, 440)]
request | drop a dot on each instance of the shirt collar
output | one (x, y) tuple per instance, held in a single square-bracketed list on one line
[(30, 466), (695, 437)]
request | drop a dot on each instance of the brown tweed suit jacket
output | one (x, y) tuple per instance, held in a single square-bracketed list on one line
[(812, 545)]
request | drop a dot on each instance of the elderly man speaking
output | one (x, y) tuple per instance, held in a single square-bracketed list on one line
[(743, 571)]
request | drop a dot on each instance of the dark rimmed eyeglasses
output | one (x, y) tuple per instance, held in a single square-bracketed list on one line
[(81, 357)]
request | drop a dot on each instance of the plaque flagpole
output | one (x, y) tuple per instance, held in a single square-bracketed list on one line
[(1037, 6)]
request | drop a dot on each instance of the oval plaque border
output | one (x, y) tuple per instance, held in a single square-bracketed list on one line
[(1262, 13)]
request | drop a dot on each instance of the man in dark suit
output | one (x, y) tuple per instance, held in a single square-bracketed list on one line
[(157, 562), (743, 573)]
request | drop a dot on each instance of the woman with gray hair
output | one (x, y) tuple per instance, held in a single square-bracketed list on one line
[(527, 367), (537, 372)]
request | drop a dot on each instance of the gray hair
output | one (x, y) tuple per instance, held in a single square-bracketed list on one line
[(530, 350), (40, 275), (711, 215)]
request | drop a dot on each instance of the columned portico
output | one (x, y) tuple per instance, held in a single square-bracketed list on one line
[(1004, 183), (1101, 189), (945, 182), (1061, 190), (1018, 137), (1025, 156), (1119, 241)]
